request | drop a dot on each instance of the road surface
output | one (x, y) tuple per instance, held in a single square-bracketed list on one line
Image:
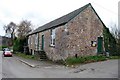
[(13, 68)]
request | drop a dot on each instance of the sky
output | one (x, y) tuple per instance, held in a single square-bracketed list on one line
[(40, 12)]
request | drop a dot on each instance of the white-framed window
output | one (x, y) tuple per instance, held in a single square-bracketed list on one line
[(52, 37), (29, 40), (66, 29), (93, 43), (36, 41)]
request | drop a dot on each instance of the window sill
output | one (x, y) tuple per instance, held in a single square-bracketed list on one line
[(51, 45)]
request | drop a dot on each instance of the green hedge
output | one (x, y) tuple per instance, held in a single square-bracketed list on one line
[(18, 45), (1, 47)]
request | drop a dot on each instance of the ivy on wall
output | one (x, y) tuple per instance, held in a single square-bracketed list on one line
[(109, 42)]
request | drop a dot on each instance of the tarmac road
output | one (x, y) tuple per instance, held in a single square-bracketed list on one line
[(12, 67)]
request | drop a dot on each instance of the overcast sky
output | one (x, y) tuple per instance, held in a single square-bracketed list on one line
[(40, 12)]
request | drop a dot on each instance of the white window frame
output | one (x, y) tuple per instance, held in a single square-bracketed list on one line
[(29, 42), (36, 41), (52, 42)]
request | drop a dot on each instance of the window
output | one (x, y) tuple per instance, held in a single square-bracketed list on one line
[(29, 40), (36, 41), (52, 37), (66, 30), (93, 43), (42, 46)]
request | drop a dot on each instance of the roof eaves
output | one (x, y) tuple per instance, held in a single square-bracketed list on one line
[(36, 31)]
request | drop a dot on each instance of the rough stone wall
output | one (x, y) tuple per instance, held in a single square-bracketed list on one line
[(50, 51), (57, 52), (31, 44), (74, 37), (47, 48), (61, 42), (83, 29), (5, 41)]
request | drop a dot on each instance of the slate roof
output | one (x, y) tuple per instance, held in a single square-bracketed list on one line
[(60, 21)]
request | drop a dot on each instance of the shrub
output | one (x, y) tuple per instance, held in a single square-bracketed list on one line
[(18, 45), (4, 47), (1, 47)]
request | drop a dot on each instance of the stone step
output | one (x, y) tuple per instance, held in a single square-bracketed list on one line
[(42, 55)]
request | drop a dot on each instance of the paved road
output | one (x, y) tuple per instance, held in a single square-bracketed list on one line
[(13, 68)]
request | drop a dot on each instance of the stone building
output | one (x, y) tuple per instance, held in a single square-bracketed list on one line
[(5, 41), (78, 33)]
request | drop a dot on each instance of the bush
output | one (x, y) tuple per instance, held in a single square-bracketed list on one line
[(4, 47), (18, 45), (1, 47)]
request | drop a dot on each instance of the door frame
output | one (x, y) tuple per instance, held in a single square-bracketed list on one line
[(100, 45), (42, 42)]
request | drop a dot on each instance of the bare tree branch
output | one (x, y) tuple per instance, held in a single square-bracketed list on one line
[(11, 28), (24, 28)]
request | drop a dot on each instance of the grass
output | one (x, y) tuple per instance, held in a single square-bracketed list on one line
[(114, 57), (25, 56), (73, 60), (85, 59), (0, 47)]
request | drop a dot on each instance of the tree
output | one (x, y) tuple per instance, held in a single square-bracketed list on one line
[(24, 28), (11, 29)]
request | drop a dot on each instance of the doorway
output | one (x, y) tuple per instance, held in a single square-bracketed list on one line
[(42, 47), (100, 45)]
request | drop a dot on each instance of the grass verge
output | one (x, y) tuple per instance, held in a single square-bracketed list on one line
[(85, 59), (73, 60), (114, 57), (88, 59), (25, 56)]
